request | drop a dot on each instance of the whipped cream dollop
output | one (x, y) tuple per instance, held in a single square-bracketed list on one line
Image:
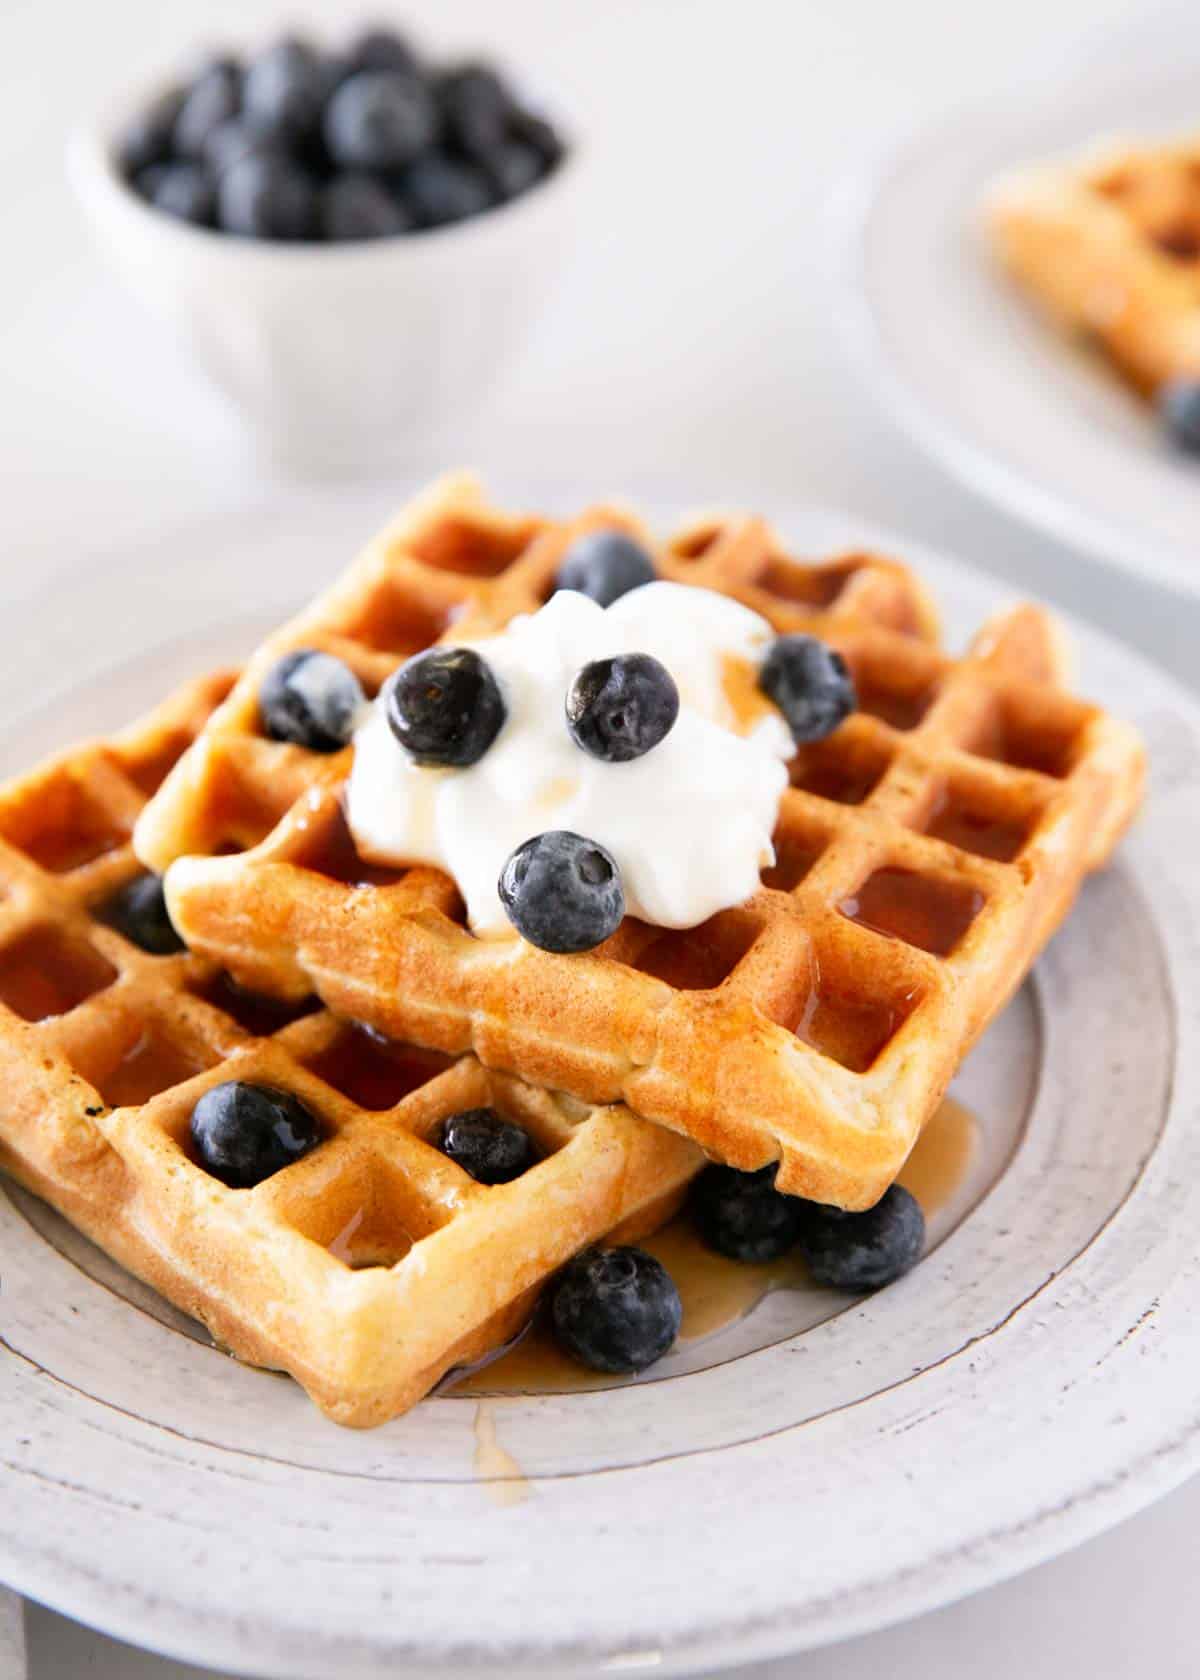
[(689, 824)]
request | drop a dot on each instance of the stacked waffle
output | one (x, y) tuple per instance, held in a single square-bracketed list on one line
[(924, 853), (1110, 245)]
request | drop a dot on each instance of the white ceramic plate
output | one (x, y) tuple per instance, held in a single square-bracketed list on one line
[(820, 1469), (967, 365)]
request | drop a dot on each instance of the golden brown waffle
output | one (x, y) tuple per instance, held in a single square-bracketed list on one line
[(1110, 245), (925, 853), (370, 1267)]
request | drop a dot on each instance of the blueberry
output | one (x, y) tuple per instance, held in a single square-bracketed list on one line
[(743, 1216), (146, 139), (185, 190), (605, 565), (810, 683), (285, 89), (532, 130), (1179, 405), (312, 700), (139, 911), (360, 207), (444, 707), (562, 892), (438, 190), (214, 97), (379, 119), (618, 709), (382, 49), (263, 196), (475, 107), (486, 1145), (232, 140), (147, 181), (243, 1133), (616, 1309), (859, 1251), (513, 168)]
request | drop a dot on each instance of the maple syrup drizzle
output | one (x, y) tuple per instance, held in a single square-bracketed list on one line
[(941, 1156), (716, 1292), (739, 680), (494, 1465)]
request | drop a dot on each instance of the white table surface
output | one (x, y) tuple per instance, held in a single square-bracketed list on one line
[(691, 345)]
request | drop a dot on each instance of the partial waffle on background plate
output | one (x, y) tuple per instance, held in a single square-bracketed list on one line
[(924, 853), (1109, 244)]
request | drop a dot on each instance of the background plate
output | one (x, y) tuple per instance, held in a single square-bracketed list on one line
[(770, 1489), (966, 364)]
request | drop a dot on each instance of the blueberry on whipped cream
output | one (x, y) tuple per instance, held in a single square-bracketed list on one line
[(312, 700), (445, 707), (618, 709), (605, 565), (562, 892), (471, 755)]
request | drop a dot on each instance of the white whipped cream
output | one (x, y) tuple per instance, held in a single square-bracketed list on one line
[(689, 823)]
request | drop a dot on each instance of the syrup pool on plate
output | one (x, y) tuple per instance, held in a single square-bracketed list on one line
[(717, 1292)]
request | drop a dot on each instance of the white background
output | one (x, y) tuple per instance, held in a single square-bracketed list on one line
[(692, 344)]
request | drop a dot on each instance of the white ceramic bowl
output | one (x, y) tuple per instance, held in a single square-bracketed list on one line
[(335, 353)]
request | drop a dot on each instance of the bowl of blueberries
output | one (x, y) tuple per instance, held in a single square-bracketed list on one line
[(352, 240)]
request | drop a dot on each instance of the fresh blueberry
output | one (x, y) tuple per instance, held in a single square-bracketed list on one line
[(562, 892), (243, 1133), (360, 207), (139, 911), (231, 141), (147, 181), (438, 190), (605, 565), (859, 1251), (1179, 404), (535, 131), (743, 1216), (382, 49), (310, 699), (146, 139), (379, 119), (616, 1309), (475, 107), (618, 709), (263, 196), (214, 97), (286, 88), (185, 190), (810, 683), (486, 1145), (444, 707), (513, 168)]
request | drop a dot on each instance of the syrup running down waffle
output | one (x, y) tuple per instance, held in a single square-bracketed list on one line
[(368, 1268), (1110, 246), (925, 853)]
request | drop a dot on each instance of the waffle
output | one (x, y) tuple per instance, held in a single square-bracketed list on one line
[(1110, 246), (367, 1269), (925, 852)]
